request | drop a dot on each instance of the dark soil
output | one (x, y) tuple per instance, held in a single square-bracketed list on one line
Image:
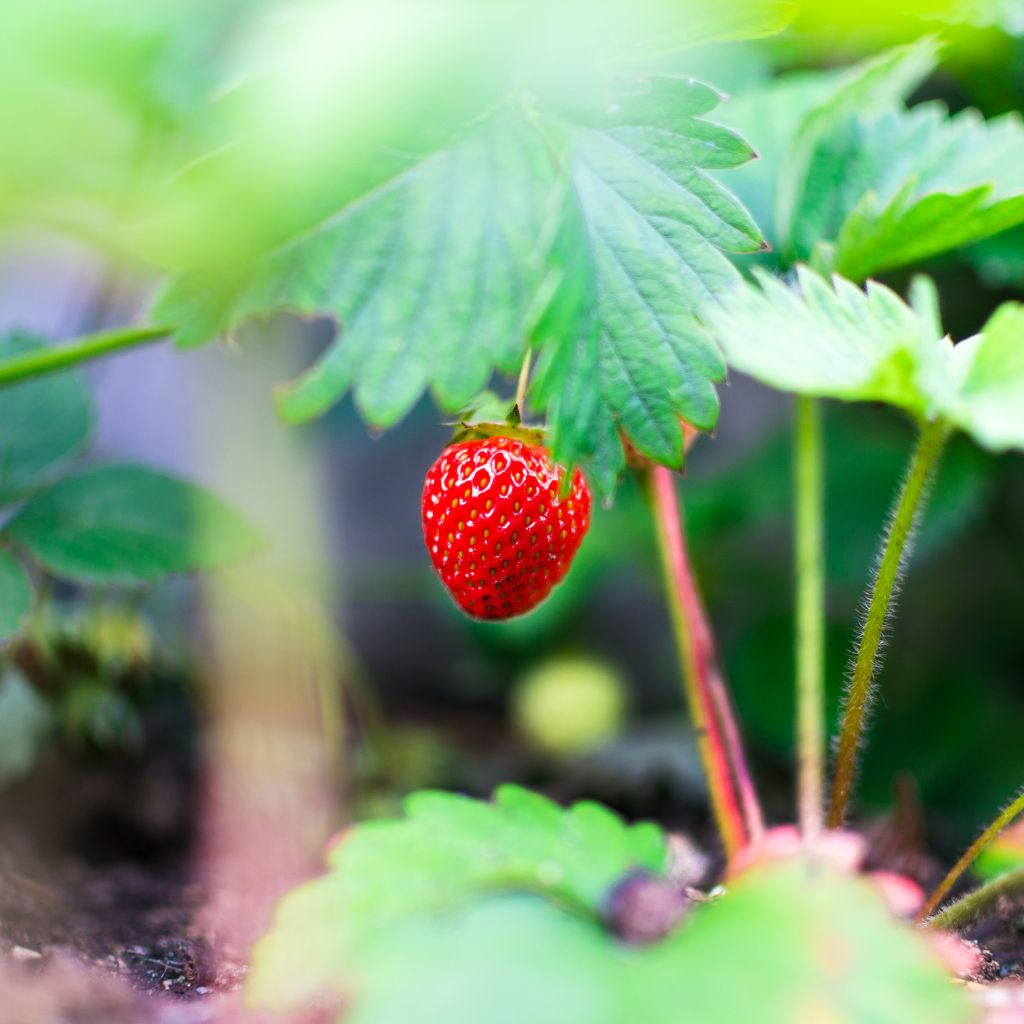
[(100, 913)]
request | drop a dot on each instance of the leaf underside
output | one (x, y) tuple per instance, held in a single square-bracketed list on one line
[(832, 339)]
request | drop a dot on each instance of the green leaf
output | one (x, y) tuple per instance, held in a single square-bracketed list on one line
[(126, 524), (852, 168), (833, 340), (868, 87), (302, 134), (15, 595), (989, 402), (639, 250), (838, 341), (673, 26), (442, 856), (435, 278), (771, 114), (932, 183), (429, 278), (42, 423), (814, 945)]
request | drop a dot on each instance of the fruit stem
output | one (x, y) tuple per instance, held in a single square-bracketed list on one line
[(711, 712), (1003, 819), (969, 909), (809, 546), (523, 382), (892, 560), (91, 346)]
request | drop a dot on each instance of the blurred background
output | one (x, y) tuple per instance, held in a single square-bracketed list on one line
[(231, 723)]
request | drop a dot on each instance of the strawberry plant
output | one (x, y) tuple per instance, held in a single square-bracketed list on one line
[(550, 197), (95, 527)]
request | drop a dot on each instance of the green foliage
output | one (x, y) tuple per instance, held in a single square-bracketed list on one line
[(989, 399), (1000, 259), (43, 423), (111, 524), (513, 957), (933, 183), (637, 227), (126, 524), (816, 945), (431, 277), (835, 340), (807, 176), (829, 339), (854, 178), (638, 251), (866, 459), (15, 595), (112, 81), (446, 853)]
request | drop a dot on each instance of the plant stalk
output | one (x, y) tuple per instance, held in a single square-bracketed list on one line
[(523, 382), (895, 551), (1003, 819), (809, 547), (969, 910), (92, 346), (733, 799)]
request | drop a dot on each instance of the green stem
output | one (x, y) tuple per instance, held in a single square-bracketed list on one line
[(809, 544), (1002, 820), (733, 801), (895, 551), (970, 909), (92, 346), (523, 382)]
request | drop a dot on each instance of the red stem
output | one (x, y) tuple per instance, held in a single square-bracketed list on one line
[(732, 792)]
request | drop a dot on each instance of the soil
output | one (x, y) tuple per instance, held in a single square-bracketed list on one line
[(100, 911)]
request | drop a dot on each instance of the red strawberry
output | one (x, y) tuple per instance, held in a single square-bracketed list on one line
[(498, 532)]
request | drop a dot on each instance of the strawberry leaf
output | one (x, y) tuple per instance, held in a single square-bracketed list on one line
[(928, 183), (867, 181), (435, 278), (43, 423), (868, 87), (126, 524), (835, 340), (989, 402), (430, 278), (442, 856), (827, 339), (508, 957), (640, 251)]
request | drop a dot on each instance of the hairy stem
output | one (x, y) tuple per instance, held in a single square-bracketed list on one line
[(92, 346), (809, 545), (895, 551), (972, 907), (733, 800), (1003, 819)]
